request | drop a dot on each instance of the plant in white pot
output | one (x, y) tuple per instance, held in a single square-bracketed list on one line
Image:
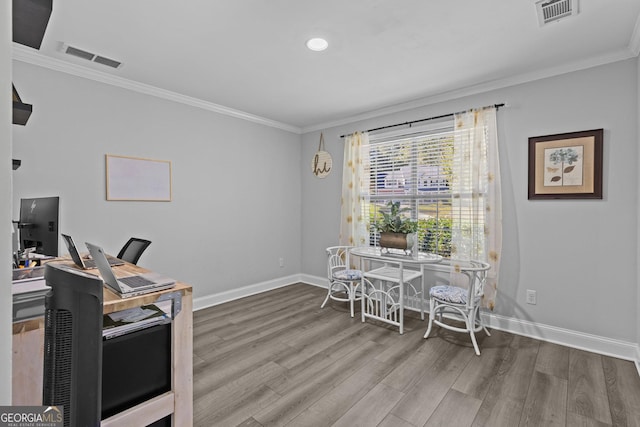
[(396, 230)]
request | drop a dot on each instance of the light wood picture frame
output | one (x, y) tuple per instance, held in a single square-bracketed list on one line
[(139, 179), (566, 166)]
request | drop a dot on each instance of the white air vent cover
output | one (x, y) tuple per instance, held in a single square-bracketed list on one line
[(555, 10), (89, 56)]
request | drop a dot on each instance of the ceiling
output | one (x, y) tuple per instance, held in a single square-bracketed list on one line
[(248, 58)]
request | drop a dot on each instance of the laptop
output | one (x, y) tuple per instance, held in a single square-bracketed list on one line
[(85, 264), (129, 286)]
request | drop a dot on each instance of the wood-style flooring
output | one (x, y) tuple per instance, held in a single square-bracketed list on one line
[(277, 359)]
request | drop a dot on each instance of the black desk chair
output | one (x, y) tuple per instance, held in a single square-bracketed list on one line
[(132, 250)]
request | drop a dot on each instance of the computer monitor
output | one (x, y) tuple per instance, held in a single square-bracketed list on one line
[(38, 224)]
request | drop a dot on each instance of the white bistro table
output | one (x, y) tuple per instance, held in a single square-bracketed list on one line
[(386, 303)]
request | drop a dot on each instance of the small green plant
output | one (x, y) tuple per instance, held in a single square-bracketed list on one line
[(393, 221), (435, 236)]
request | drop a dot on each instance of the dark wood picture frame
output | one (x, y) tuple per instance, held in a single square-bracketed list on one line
[(566, 165)]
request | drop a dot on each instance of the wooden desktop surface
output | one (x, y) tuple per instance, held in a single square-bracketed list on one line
[(28, 345), (113, 302)]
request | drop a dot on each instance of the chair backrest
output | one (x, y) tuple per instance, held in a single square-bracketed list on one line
[(476, 272), (132, 250), (337, 259)]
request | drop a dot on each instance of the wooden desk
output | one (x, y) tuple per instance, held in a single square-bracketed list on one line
[(28, 343)]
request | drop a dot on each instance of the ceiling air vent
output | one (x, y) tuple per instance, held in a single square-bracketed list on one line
[(555, 10), (106, 61), (70, 50), (80, 53)]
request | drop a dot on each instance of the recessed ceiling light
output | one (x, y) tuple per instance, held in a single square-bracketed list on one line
[(317, 44)]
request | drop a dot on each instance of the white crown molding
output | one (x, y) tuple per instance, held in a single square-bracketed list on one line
[(30, 56), (27, 55), (610, 57)]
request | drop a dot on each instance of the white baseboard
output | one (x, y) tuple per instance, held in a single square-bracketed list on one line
[(321, 282), (245, 291), (593, 343), (580, 340)]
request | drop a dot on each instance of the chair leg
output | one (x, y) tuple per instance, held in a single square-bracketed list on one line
[(327, 297), (352, 296), (422, 298), (470, 321), (486, 331), (475, 344), (431, 314)]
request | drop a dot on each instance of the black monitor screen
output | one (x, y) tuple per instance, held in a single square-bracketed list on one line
[(39, 224)]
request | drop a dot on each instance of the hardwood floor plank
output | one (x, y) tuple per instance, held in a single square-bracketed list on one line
[(253, 319), (410, 367), (325, 335), (546, 403), (334, 404), (587, 386), (303, 390), (231, 327), (481, 372), (372, 408), (456, 409), (576, 420), (231, 308), (503, 403), (220, 398), (505, 412), (246, 405), (623, 388), (553, 359), (250, 422), (207, 379), (398, 346), (273, 333), (393, 421), (423, 398), (342, 355)]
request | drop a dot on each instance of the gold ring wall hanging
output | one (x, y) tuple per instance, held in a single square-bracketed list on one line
[(322, 162)]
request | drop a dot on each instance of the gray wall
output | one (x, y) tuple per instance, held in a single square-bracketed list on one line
[(580, 256), (236, 184), (5, 194)]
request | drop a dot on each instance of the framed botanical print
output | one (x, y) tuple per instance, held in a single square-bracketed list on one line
[(566, 165)]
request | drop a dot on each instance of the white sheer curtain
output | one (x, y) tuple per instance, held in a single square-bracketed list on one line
[(476, 199), (353, 227)]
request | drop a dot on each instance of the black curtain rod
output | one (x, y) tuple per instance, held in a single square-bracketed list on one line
[(421, 120)]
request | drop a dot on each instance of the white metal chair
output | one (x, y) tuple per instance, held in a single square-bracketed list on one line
[(457, 303), (343, 280)]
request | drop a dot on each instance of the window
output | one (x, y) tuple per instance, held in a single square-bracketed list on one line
[(414, 167), (446, 175)]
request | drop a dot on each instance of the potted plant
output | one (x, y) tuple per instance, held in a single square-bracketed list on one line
[(396, 230)]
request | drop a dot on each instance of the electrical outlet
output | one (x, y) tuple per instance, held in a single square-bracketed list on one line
[(531, 297), (281, 262)]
